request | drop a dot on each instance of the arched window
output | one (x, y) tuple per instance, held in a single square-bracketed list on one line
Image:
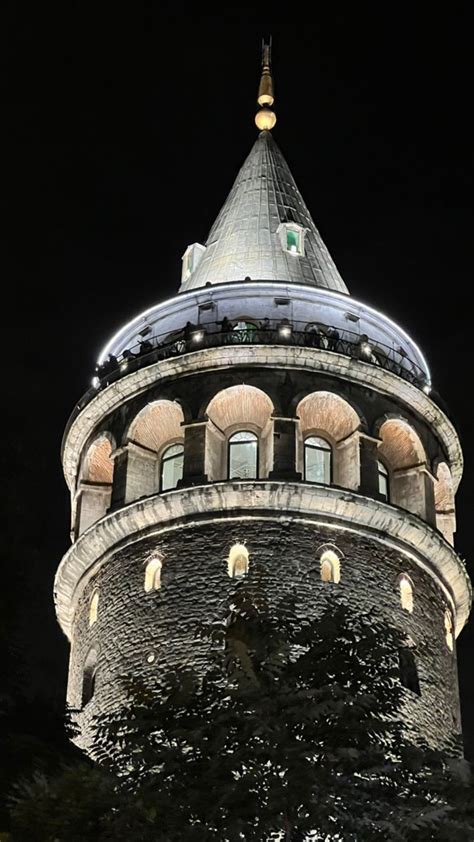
[(93, 608), (406, 593), (153, 575), (408, 671), (243, 455), (383, 480), (330, 566), (448, 628), (88, 676), (238, 561), (317, 460), (171, 466)]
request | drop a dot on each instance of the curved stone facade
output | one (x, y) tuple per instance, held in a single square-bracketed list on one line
[(132, 624)]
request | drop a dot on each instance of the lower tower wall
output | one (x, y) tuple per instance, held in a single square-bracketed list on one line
[(132, 624)]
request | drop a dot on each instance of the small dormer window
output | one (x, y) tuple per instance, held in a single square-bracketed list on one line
[(292, 238), (191, 259)]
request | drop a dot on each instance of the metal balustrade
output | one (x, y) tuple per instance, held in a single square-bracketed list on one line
[(193, 338)]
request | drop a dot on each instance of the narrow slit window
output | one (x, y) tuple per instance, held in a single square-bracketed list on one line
[(383, 480), (238, 561), (93, 608), (153, 575), (172, 466), (243, 455), (317, 460), (406, 593), (448, 628)]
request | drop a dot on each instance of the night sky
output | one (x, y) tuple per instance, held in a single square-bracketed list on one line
[(125, 129)]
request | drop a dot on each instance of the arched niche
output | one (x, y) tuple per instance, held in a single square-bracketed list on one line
[(329, 417), (156, 428), (238, 408), (444, 502), (95, 483), (402, 453)]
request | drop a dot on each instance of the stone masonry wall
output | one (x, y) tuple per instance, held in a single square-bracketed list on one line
[(195, 586)]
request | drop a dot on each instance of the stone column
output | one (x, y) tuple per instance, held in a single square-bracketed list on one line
[(194, 454), (93, 501), (284, 450), (412, 489), (369, 472), (135, 473)]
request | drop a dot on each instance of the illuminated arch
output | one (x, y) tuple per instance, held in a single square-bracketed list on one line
[(153, 574), (406, 589), (238, 561), (238, 409), (156, 428), (94, 607), (404, 457), (329, 417)]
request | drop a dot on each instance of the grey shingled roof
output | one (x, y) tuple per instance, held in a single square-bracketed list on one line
[(243, 240)]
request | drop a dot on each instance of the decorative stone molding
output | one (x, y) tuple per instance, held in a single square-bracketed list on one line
[(275, 357), (337, 507)]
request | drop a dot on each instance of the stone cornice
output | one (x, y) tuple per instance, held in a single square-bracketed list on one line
[(273, 356), (281, 500)]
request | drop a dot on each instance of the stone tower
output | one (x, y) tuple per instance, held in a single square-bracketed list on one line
[(262, 416)]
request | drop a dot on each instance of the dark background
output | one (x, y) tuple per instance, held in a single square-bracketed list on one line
[(125, 127)]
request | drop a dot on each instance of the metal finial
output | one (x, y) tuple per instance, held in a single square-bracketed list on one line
[(266, 118)]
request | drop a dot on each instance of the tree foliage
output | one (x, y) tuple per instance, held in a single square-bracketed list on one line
[(293, 731)]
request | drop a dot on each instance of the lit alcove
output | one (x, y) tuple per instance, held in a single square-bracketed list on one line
[(243, 455), (93, 607), (317, 460), (406, 593), (238, 561), (448, 629), (153, 574), (171, 467), (330, 567)]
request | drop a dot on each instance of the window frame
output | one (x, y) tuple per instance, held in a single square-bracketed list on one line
[(230, 444), (386, 475), (328, 449), (164, 459)]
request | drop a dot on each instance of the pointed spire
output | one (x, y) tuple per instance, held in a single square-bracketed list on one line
[(265, 119), (264, 230)]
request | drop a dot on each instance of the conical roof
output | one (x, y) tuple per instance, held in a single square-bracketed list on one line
[(247, 240)]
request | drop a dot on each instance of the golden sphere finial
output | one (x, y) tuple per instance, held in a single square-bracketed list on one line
[(265, 119)]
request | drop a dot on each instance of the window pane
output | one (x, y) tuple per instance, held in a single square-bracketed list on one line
[(315, 441), (292, 240), (242, 458), (317, 465), (383, 480), (172, 467)]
